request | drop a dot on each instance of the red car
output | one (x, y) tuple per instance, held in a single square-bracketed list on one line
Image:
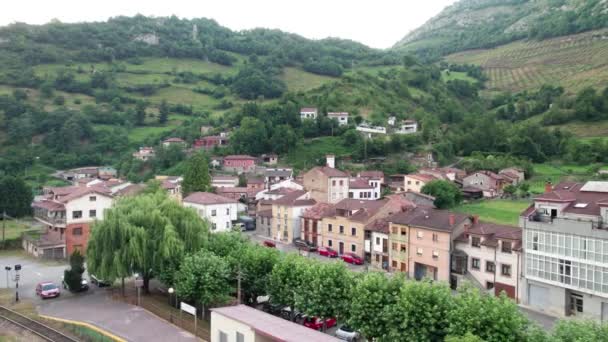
[(328, 252), (352, 258), (317, 323), (270, 244), (47, 290)]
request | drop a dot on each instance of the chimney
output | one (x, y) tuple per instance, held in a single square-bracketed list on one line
[(331, 160), (548, 187), (452, 219)]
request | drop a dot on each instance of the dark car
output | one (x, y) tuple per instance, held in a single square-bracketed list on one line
[(99, 282), (328, 252), (305, 245), (246, 223), (84, 286), (352, 258)]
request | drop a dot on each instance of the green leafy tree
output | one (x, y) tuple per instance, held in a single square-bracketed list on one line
[(579, 330), (509, 190), (147, 234), (283, 139), (203, 278), (73, 275), (254, 264), (163, 112), (287, 276), (373, 295), (140, 113), (196, 177), (251, 137), (323, 281), (446, 194), (15, 197)]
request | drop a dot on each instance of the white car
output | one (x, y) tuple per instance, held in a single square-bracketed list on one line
[(347, 334)]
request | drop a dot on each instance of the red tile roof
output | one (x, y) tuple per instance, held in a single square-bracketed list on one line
[(83, 191), (433, 219), (380, 226), (207, 198), (49, 205), (371, 174), (572, 192), (330, 171), (308, 109), (422, 177), (264, 213), (359, 183), (293, 199), (318, 211)]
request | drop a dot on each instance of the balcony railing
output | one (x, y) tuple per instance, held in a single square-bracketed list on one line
[(50, 217)]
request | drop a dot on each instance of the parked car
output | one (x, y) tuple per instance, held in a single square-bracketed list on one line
[(47, 290), (305, 245), (99, 282), (286, 313), (270, 244), (328, 252), (347, 334), (246, 223), (271, 308), (352, 258), (317, 323), (84, 285)]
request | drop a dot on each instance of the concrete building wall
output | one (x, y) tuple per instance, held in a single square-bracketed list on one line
[(220, 216), (333, 238), (85, 204), (413, 184), (398, 247), (221, 324), (337, 189), (432, 249)]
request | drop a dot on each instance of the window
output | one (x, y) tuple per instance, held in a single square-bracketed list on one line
[(76, 214), (240, 337), (213, 226), (353, 231), (403, 248), (419, 251), (213, 212), (394, 264), (227, 225), (92, 213), (377, 240), (353, 248), (333, 183), (489, 285), (535, 242), (490, 266), (77, 231), (435, 237), (227, 211), (92, 198), (475, 263), (329, 227), (377, 258), (409, 182), (506, 247), (403, 231), (475, 241), (394, 246), (341, 183), (435, 255), (419, 234), (395, 230), (506, 270), (223, 337), (329, 243), (341, 229)]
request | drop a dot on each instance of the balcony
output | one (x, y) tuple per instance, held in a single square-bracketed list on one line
[(50, 214)]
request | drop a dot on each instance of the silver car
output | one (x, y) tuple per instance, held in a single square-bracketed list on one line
[(347, 334)]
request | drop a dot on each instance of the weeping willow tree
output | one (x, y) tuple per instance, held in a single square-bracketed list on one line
[(147, 234)]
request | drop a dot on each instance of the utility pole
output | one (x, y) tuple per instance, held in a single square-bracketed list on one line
[(3, 228)]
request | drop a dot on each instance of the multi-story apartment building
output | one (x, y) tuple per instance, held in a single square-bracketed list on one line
[(220, 211), (490, 254), (287, 214), (424, 239), (415, 182), (67, 214), (377, 245), (326, 183), (565, 236), (312, 231)]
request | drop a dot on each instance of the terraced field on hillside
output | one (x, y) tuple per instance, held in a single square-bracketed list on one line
[(574, 62)]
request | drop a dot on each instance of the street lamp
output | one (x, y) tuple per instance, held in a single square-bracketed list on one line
[(17, 276), (170, 290), (138, 283), (8, 271)]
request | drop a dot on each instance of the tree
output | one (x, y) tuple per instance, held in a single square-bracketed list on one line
[(372, 297), (242, 180), (147, 234), (140, 112), (163, 112), (73, 275), (283, 139), (509, 190), (468, 337), (287, 276), (196, 177), (323, 281), (253, 265), (203, 278), (251, 137), (577, 330), (15, 197), (446, 194)]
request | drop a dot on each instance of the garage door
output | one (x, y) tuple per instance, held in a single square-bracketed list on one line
[(538, 296)]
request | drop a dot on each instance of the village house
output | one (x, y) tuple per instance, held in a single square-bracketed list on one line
[(145, 153), (364, 189), (369, 131), (445, 173), (514, 174), (270, 159), (420, 199), (209, 142), (239, 163), (488, 182), (407, 127), (372, 175), (341, 117), (286, 215), (172, 185), (344, 228), (492, 255), (377, 244), (308, 113), (326, 183), (312, 231), (274, 176), (397, 183), (174, 142), (415, 182), (565, 238), (67, 214), (220, 211), (107, 172), (73, 175), (224, 181), (255, 185), (422, 242), (236, 193), (264, 222), (391, 120)]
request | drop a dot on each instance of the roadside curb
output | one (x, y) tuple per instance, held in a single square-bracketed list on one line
[(87, 325)]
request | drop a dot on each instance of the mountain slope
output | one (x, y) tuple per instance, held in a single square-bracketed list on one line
[(474, 24)]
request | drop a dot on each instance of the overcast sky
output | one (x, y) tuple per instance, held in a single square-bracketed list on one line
[(377, 23)]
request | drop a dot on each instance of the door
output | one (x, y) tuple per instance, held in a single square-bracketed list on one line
[(605, 312), (419, 271), (341, 248), (576, 304), (538, 296)]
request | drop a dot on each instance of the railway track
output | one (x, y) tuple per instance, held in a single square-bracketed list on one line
[(33, 326)]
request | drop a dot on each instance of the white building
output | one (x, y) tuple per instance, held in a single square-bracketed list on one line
[(377, 245), (224, 181), (144, 153), (308, 113), (391, 120), (220, 211), (369, 130), (494, 254), (407, 127), (341, 117), (364, 189)]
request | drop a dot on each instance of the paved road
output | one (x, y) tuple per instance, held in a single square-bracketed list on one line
[(94, 306)]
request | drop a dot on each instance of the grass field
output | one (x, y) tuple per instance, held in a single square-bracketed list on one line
[(586, 129), (309, 153), (574, 62), (557, 173), (456, 75), (14, 229), (496, 211), (300, 80)]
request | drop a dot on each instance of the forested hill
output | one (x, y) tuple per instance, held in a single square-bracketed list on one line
[(474, 24), (130, 37)]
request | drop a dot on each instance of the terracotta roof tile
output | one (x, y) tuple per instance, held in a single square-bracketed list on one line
[(434, 219), (207, 198)]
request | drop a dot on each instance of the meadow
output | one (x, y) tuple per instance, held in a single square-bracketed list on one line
[(495, 211)]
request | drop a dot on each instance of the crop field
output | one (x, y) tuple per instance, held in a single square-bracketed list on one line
[(496, 211), (574, 62)]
